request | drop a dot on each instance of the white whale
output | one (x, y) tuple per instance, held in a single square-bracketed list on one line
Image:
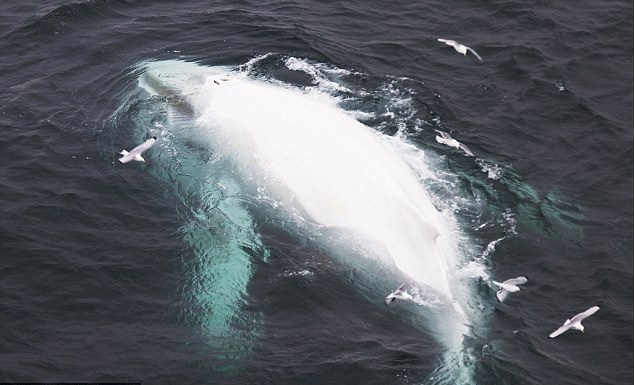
[(337, 173)]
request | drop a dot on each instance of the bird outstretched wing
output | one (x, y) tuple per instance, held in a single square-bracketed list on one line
[(474, 52), (467, 150), (443, 134), (517, 281), (585, 314), (143, 146), (446, 41), (560, 330)]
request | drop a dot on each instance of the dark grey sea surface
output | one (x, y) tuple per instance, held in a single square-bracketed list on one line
[(103, 276)]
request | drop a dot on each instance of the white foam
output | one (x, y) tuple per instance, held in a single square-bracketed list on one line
[(493, 170), (317, 73)]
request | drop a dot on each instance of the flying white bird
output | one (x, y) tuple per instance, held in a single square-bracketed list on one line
[(460, 47), (135, 153), (575, 322), (398, 294), (446, 139), (509, 286)]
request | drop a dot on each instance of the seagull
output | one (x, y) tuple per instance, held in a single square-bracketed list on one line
[(398, 294), (446, 139), (509, 286), (460, 48), (575, 322), (135, 153)]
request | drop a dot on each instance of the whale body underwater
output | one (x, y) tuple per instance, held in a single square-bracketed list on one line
[(332, 174)]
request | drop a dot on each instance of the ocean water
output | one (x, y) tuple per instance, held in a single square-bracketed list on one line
[(187, 269)]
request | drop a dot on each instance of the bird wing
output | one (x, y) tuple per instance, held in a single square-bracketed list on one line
[(143, 146), (448, 42), (501, 295), (464, 148), (474, 52), (578, 318), (445, 135), (561, 330), (516, 281), (126, 157), (388, 300)]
